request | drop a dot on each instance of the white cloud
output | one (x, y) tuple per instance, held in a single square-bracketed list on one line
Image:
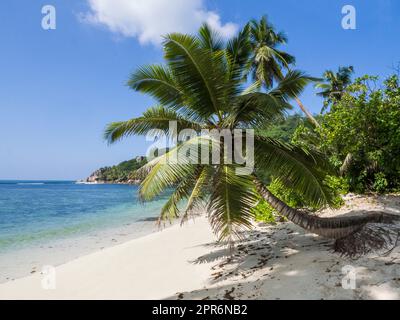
[(148, 20)]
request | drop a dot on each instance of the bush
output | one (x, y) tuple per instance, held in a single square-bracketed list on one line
[(263, 212), (339, 184), (361, 135), (381, 183)]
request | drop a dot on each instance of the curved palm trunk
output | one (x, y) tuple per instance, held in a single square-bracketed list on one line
[(302, 107), (333, 228), (307, 113)]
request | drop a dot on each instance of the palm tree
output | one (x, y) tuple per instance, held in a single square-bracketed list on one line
[(267, 61), (201, 87), (334, 84)]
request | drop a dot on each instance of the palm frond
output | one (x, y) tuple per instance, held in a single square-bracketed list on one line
[(200, 190), (253, 88), (296, 167), (286, 58), (292, 85), (170, 210), (158, 117), (168, 169), (157, 81), (210, 39), (322, 85), (199, 72), (161, 177), (257, 109), (239, 50), (230, 203)]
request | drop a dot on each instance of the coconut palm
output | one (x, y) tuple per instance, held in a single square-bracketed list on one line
[(201, 87), (267, 61), (334, 84)]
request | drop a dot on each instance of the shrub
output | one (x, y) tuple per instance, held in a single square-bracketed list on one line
[(263, 212), (361, 135), (381, 183)]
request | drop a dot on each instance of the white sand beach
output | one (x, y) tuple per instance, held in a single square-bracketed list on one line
[(273, 262)]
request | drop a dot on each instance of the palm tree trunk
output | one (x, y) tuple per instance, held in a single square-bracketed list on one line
[(302, 107), (332, 228), (307, 113)]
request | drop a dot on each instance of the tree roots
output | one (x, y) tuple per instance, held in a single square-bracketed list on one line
[(370, 237)]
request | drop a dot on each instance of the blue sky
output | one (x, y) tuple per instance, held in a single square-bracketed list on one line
[(59, 88)]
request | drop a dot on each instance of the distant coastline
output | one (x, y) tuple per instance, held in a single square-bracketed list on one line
[(123, 173), (129, 182)]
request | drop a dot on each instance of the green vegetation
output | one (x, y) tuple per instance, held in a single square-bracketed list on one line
[(334, 85), (204, 85), (122, 172), (285, 129), (267, 63), (265, 212), (361, 135)]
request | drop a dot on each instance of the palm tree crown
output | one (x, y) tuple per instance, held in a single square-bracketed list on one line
[(335, 84), (201, 86), (268, 62)]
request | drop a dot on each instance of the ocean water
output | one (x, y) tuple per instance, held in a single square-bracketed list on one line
[(34, 214)]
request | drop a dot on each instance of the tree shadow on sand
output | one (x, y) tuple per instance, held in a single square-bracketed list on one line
[(284, 262)]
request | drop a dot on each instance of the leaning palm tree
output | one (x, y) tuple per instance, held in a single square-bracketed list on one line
[(201, 87), (267, 61), (334, 84)]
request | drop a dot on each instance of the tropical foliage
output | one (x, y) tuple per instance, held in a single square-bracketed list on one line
[(203, 86), (122, 172), (334, 85), (284, 129), (267, 63), (361, 135)]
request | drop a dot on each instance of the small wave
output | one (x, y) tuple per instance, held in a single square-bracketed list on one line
[(30, 183)]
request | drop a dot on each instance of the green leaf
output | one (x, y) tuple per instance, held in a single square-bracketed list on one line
[(230, 203), (199, 72), (296, 167), (153, 118)]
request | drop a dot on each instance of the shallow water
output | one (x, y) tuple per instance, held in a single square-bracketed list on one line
[(53, 221)]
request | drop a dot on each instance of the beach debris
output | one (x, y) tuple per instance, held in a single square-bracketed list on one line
[(228, 294)]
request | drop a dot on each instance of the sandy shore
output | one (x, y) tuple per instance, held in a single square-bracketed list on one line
[(152, 267), (273, 262), (20, 262)]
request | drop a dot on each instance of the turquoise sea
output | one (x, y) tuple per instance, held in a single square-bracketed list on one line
[(34, 213)]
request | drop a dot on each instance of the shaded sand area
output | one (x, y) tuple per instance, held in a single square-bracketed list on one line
[(273, 262)]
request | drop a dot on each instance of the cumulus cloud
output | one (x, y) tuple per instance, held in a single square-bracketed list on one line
[(148, 20)]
